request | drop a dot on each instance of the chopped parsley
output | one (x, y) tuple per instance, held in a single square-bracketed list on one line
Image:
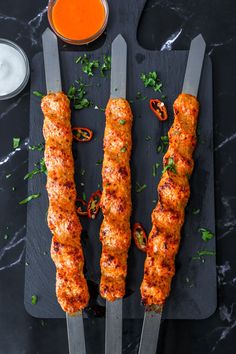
[(38, 147), (84, 196), (122, 121), (170, 166), (140, 97), (38, 94), (203, 253), (123, 149), (29, 198), (99, 162), (106, 65), (34, 299), (5, 237), (41, 169), (164, 141), (154, 169), (139, 187), (76, 94), (196, 211), (206, 234), (88, 66), (151, 79), (15, 143)]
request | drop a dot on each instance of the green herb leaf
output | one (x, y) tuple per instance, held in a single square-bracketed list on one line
[(99, 162), (122, 121), (39, 147), (206, 253), (206, 234), (16, 143), (196, 211), (139, 187), (106, 65), (151, 79), (34, 299), (29, 198), (76, 94), (88, 66), (38, 94), (140, 97), (5, 237), (41, 169), (164, 141), (170, 166), (123, 149), (84, 196)]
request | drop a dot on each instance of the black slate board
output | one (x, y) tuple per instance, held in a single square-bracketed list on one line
[(193, 294)]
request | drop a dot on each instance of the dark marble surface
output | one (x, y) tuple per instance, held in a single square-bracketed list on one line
[(164, 25)]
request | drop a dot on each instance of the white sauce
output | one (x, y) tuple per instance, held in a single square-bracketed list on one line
[(12, 69)]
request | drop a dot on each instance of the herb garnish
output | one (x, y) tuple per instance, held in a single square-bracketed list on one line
[(164, 141), (38, 147), (151, 80), (82, 172), (106, 65), (87, 65), (170, 166), (139, 187), (139, 96), (77, 95), (8, 176), (29, 198), (34, 299), (154, 169), (38, 94), (206, 234), (203, 253), (148, 138), (123, 149), (99, 162), (196, 211), (42, 169), (122, 121), (15, 143), (84, 196)]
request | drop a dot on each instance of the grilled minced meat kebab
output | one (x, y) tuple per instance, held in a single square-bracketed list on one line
[(174, 192), (115, 231), (66, 251)]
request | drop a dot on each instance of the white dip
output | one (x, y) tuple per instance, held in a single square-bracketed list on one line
[(12, 69)]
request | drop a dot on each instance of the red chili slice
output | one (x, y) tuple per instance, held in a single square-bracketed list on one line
[(159, 109), (82, 134), (140, 237), (81, 207), (94, 204)]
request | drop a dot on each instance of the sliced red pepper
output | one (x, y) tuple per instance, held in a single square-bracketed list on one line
[(159, 109), (81, 207), (140, 237), (82, 134), (94, 204)]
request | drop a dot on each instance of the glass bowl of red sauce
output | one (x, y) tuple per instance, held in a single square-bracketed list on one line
[(78, 21)]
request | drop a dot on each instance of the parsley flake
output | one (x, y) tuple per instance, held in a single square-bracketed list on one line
[(151, 79), (29, 198), (15, 143), (206, 234), (170, 166)]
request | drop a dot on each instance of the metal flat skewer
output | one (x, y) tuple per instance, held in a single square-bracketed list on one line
[(113, 332), (152, 320), (75, 326), (75, 332), (150, 332)]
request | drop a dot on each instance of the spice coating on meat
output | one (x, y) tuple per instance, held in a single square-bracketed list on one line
[(66, 250), (115, 231), (174, 192)]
